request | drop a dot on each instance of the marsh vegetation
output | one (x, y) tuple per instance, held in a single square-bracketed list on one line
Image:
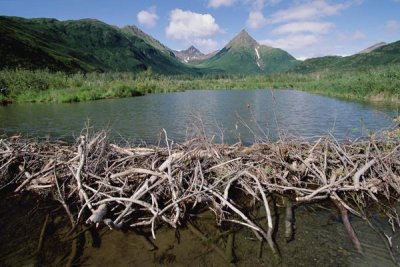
[(377, 84)]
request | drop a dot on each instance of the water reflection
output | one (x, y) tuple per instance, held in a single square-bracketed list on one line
[(234, 112)]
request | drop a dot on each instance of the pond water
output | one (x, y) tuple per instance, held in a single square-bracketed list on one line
[(320, 240), (229, 115)]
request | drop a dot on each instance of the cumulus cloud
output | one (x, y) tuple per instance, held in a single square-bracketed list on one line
[(304, 26), (193, 28), (218, 3), (256, 19), (293, 42), (392, 26), (148, 17), (187, 25)]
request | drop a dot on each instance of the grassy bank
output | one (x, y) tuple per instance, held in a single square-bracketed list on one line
[(380, 84)]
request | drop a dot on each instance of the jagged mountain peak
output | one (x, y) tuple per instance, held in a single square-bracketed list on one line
[(192, 54), (243, 54), (192, 50), (244, 33), (243, 39)]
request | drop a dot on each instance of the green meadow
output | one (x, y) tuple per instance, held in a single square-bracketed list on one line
[(375, 84)]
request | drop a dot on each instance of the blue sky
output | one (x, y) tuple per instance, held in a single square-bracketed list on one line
[(305, 28)]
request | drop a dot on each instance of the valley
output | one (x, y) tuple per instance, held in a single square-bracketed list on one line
[(199, 133), (48, 60)]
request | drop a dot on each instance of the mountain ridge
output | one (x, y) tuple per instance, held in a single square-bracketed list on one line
[(79, 45), (372, 47), (244, 55), (384, 55), (88, 45), (192, 55)]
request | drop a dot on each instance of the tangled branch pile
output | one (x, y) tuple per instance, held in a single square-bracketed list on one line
[(99, 182)]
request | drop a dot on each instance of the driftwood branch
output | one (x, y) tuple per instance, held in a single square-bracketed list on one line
[(144, 186)]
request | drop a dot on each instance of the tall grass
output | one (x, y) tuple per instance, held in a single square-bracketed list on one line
[(44, 86)]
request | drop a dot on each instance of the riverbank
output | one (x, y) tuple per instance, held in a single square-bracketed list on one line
[(376, 85)]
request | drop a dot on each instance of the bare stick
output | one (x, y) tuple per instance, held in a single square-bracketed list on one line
[(289, 220), (269, 238), (357, 175), (82, 156), (346, 222)]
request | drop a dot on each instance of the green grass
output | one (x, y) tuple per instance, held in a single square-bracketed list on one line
[(381, 84)]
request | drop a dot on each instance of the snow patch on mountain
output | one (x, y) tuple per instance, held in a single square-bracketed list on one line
[(258, 60), (258, 55)]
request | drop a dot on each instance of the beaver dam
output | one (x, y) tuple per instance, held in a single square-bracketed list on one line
[(144, 189)]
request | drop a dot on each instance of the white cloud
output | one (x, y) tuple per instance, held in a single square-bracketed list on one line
[(206, 45), (187, 25), (293, 42), (193, 28), (392, 26), (312, 9), (256, 17), (148, 17), (256, 20), (218, 3), (304, 26), (257, 4)]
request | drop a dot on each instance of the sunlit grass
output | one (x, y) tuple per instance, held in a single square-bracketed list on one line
[(379, 84)]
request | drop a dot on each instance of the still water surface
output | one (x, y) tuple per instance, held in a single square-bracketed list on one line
[(320, 236), (143, 118)]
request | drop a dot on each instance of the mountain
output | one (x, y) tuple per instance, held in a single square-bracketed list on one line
[(244, 55), (135, 31), (81, 45), (372, 48), (383, 55), (88, 45), (192, 55)]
